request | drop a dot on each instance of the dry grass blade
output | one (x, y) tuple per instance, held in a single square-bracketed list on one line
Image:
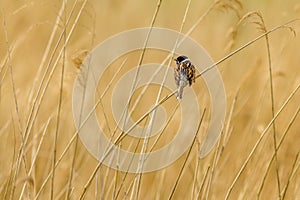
[(162, 131), (153, 114), (252, 16), (201, 188), (212, 172), (40, 91), (245, 45), (21, 150), (227, 5), (259, 140), (75, 135), (138, 176), (47, 50), (32, 115), (262, 27), (4, 73), (291, 29), (273, 111), (279, 145), (51, 73), (195, 182), (9, 182), (36, 155), (37, 161), (150, 150), (207, 69), (58, 118), (134, 83), (185, 161), (255, 18), (72, 169), (132, 89), (292, 173), (227, 130), (123, 135)]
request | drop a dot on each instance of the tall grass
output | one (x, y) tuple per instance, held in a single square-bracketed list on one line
[(257, 156)]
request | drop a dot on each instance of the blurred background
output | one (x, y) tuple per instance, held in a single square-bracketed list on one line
[(40, 155)]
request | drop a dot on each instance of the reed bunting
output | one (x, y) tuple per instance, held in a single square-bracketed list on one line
[(184, 74)]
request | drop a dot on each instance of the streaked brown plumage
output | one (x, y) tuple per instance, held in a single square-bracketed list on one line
[(184, 74)]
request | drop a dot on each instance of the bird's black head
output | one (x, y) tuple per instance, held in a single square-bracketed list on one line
[(179, 59)]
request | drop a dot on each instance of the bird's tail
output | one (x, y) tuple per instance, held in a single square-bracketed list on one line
[(180, 91)]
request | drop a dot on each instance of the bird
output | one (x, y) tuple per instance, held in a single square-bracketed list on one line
[(184, 74)]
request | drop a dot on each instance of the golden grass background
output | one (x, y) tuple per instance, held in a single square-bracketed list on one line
[(25, 34)]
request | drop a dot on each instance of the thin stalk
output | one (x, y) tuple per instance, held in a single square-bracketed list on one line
[(258, 142), (215, 161), (293, 171), (277, 148), (153, 114), (273, 109), (59, 108), (203, 181), (185, 161), (22, 147)]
